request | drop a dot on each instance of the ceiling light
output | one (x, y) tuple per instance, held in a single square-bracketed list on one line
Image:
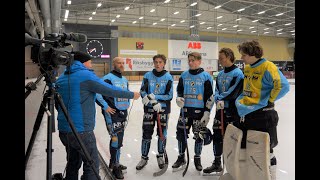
[(152, 10), (182, 21), (141, 17), (219, 17), (235, 26), (154, 23), (99, 4), (279, 29), (287, 24), (134, 22), (209, 27), (113, 20), (251, 27), (193, 4), (238, 19), (219, 24), (261, 12), (253, 31), (69, 2), (255, 20), (293, 34), (90, 18), (198, 14), (279, 14), (224, 29), (272, 22), (177, 12), (66, 14), (217, 7), (166, 1), (241, 9), (65, 19), (239, 30), (279, 33), (265, 28), (292, 31), (162, 19), (202, 22), (173, 24), (126, 8), (118, 16), (94, 13), (265, 32), (192, 26)]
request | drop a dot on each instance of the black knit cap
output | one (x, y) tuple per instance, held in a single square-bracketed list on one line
[(81, 56)]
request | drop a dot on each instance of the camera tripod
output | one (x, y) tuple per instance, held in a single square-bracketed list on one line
[(49, 99)]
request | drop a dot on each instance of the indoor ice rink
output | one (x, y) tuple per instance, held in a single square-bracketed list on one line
[(136, 30)]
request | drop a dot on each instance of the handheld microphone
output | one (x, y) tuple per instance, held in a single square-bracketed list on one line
[(77, 37)]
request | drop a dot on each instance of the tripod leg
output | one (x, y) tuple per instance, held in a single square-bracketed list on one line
[(36, 127), (70, 122), (50, 130)]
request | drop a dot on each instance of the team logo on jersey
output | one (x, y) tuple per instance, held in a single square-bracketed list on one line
[(157, 85), (199, 97), (192, 84)]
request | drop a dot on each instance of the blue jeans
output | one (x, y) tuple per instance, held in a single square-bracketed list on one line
[(75, 156)]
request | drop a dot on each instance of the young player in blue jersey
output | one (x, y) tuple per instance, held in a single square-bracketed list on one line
[(156, 92), (263, 85), (193, 91), (115, 113), (229, 84)]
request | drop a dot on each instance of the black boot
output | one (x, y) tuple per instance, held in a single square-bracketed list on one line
[(197, 163), (122, 167), (117, 172), (160, 161), (216, 167), (180, 162)]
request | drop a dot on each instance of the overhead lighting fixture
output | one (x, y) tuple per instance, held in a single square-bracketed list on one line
[(134, 22), (126, 8), (220, 24), (209, 27), (69, 2), (279, 29), (293, 34), (251, 27), (113, 20), (154, 23), (66, 14), (292, 31), (94, 13), (235, 26), (272, 22), (261, 12), (141, 17), (217, 7), (279, 33), (253, 31), (239, 30), (65, 19), (238, 19), (219, 17), (118, 16), (287, 24), (152, 10), (192, 26), (279, 14), (173, 24), (255, 20), (193, 4), (242, 9), (177, 12), (99, 4), (265, 28), (162, 19), (198, 14), (265, 32), (223, 29), (90, 18), (202, 22), (166, 1), (182, 21)]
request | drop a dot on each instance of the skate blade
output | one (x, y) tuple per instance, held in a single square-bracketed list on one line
[(124, 171), (179, 168), (212, 174)]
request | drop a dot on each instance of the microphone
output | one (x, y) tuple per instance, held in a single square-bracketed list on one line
[(28, 40), (77, 37)]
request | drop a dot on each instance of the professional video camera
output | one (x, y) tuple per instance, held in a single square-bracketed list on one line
[(52, 54)]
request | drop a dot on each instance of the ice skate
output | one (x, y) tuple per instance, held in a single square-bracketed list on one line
[(117, 172), (143, 162), (197, 163), (160, 161), (180, 164), (214, 170), (122, 167)]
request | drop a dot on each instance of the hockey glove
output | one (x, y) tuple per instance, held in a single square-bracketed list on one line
[(220, 105), (180, 101), (210, 102), (205, 118), (156, 105), (146, 99)]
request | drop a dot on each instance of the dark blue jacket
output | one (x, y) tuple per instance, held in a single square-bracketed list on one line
[(78, 87)]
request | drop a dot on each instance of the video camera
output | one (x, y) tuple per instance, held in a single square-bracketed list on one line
[(50, 56)]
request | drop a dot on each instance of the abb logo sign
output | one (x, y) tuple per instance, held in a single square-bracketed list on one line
[(194, 45)]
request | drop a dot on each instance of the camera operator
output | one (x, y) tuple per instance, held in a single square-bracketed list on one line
[(78, 86)]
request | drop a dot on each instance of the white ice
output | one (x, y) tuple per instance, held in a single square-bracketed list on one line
[(131, 151)]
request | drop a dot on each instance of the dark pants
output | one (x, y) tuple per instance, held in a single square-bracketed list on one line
[(75, 156)]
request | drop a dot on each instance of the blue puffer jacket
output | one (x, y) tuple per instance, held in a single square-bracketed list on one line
[(78, 87)]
